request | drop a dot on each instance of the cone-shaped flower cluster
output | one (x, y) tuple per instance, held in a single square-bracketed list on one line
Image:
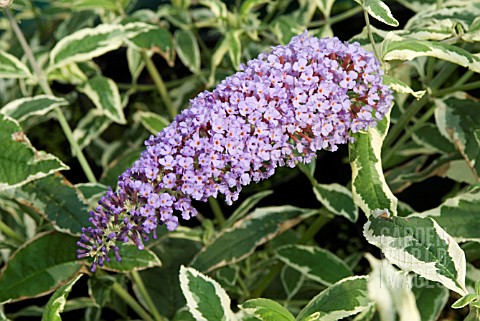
[(278, 110)]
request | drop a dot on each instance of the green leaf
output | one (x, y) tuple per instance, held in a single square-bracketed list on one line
[(246, 206), (119, 165), (90, 127), (337, 199), (249, 6), (315, 263), (187, 49), (369, 188), (21, 109), (380, 11), (239, 241), (20, 162), (86, 44), (458, 119), (110, 5), (292, 280), (39, 267), (156, 40), (391, 290), (459, 216), (266, 310), (133, 259), (206, 299), (105, 96), (464, 301), (408, 49), (419, 245), (401, 87), (235, 48), (325, 6), (345, 298), (11, 67), (153, 122), (431, 298), (57, 200), (429, 136), (57, 301)]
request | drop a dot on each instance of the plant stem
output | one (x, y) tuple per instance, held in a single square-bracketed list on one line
[(42, 79), (416, 105), (370, 36), (322, 219), (148, 300), (469, 86), (11, 233), (159, 83), (217, 211), (338, 18), (129, 300)]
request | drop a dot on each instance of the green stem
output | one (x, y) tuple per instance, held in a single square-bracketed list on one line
[(465, 87), (338, 18), (146, 296), (159, 83), (42, 79), (465, 77), (370, 36), (11, 233), (217, 211), (402, 140), (416, 105), (129, 300), (402, 122), (322, 219)]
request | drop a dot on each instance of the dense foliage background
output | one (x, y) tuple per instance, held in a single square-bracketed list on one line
[(84, 83)]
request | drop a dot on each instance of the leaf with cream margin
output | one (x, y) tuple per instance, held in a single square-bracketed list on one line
[(391, 290), (419, 245), (327, 305), (20, 162), (369, 187), (206, 299), (459, 216)]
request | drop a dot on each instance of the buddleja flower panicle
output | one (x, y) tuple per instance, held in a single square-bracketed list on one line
[(278, 110)]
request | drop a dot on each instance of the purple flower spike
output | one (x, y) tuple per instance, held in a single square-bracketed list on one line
[(280, 109)]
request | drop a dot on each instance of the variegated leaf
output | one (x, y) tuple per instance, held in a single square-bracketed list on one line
[(369, 188), (57, 301), (458, 119), (11, 67), (459, 216), (153, 122), (86, 44), (92, 125), (206, 299), (419, 245), (401, 87), (315, 263), (105, 96), (20, 162), (132, 259), (267, 310), (343, 299), (380, 11), (22, 108), (408, 49), (431, 298), (391, 290), (337, 199), (187, 49)]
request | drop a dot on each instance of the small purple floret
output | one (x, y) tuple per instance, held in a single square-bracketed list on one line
[(279, 110)]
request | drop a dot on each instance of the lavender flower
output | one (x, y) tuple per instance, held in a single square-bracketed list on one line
[(280, 109)]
